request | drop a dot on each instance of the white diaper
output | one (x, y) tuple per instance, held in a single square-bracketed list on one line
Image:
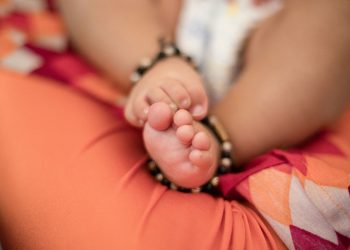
[(213, 32)]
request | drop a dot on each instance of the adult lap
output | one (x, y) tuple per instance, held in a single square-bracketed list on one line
[(72, 176)]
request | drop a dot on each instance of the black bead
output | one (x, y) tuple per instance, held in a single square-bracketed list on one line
[(184, 190), (207, 187), (225, 154), (177, 51), (165, 182), (154, 172), (205, 121), (223, 170), (141, 70), (161, 56), (188, 59)]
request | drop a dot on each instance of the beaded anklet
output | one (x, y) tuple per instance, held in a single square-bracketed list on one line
[(225, 164), (167, 49)]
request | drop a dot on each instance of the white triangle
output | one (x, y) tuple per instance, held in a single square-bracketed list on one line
[(305, 214), (282, 231), (333, 203), (29, 5), (21, 60)]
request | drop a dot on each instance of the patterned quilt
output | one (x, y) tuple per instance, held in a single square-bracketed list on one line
[(303, 193)]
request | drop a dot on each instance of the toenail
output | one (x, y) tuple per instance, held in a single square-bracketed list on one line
[(198, 110), (185, 103), (145, 111), (173, 106)]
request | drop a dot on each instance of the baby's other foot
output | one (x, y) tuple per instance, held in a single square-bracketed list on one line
[(184, 149), (172, 81)]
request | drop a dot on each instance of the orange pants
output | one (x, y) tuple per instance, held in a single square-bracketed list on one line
[(71, 178)]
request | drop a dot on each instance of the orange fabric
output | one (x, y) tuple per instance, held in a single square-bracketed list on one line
[(45, 24), (7, 45), (90, 83), (71, 178)]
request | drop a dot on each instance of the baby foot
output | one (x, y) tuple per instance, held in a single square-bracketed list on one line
[(184, 149), (172, 81)]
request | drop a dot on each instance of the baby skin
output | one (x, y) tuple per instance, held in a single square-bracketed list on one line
[(278, 100), (294, 82), (168, 103)]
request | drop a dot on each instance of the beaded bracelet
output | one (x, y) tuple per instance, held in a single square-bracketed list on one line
[(167, 49), (225, 164)]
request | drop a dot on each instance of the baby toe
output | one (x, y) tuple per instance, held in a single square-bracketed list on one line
[(140, 110), (177, 92), (201, 159), (199, 105), (185, 134), (182, 117), (201, 141), (158, 95), (160, 116), (129, 114)]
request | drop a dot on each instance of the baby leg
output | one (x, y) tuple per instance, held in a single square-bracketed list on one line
[(292, 84)]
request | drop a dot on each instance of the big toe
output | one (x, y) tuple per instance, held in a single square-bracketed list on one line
[(160, 116)]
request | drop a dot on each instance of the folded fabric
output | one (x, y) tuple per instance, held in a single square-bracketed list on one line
[(302, 193)]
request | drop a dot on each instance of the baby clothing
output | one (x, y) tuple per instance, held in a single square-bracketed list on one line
[(213, 32)]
